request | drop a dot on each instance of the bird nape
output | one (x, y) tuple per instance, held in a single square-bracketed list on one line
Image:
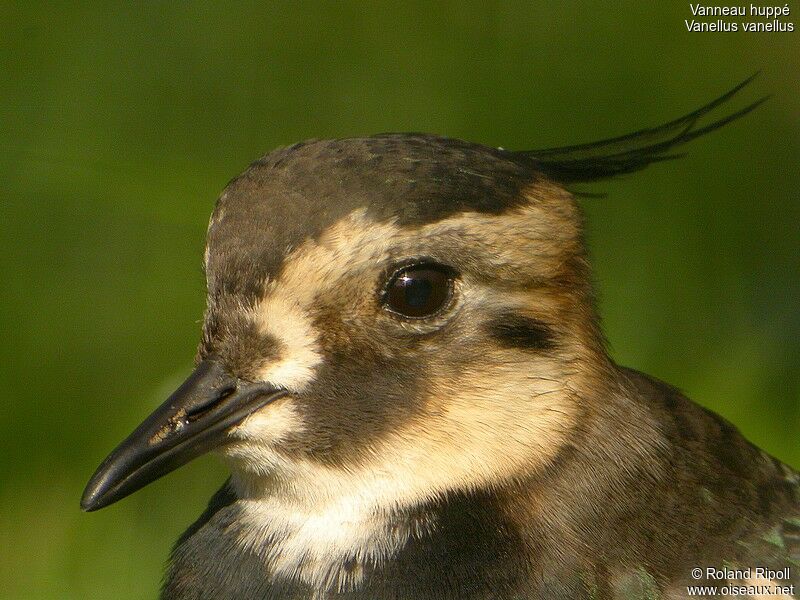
[(402, 365)]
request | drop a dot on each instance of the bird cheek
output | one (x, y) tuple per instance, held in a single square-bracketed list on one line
[(269, 426), (291, 373), (257, 446)]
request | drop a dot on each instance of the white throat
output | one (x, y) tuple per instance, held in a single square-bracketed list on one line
[(326, 528)]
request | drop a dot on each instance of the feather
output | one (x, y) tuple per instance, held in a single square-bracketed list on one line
[(634, 151)]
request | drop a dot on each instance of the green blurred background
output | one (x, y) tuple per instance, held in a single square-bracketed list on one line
[(120, 125)]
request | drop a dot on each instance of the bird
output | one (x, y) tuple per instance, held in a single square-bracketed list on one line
[(402, 365)]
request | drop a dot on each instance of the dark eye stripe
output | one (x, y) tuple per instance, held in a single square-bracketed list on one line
[(519, 331)]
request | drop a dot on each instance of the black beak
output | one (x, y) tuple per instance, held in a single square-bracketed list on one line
[(193, 420)]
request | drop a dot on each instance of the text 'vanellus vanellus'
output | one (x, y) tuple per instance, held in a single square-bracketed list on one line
[(402, 364)]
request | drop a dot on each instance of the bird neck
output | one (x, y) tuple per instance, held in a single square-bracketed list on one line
[(284, 551)]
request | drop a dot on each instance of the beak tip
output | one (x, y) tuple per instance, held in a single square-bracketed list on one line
[(97, 493), (90, 500)]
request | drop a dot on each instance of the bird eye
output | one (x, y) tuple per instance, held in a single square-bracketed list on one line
[(419, 291)]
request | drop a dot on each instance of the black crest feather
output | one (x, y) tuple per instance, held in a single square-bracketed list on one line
[(635, 151)]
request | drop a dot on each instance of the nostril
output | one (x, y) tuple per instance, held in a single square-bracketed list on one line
[(197, 411)]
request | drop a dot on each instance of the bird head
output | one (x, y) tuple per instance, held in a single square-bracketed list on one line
[(407, 310), (406, 305)]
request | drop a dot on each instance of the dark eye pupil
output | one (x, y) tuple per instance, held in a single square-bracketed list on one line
[(419, 291)]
